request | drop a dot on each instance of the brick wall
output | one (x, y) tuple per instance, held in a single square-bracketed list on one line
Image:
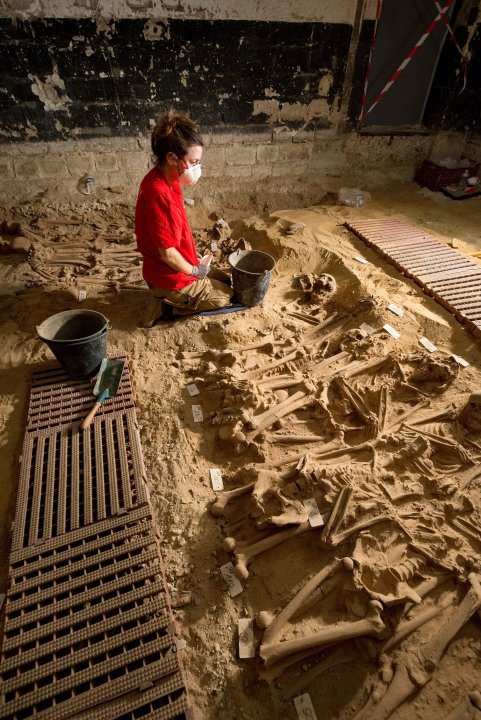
[(289, 167)]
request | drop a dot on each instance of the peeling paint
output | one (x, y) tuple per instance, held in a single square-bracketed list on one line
[(47, 92), (156, 30), (270, 93)]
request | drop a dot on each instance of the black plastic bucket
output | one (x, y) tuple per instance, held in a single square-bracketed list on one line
[(251, 275), (78, 339)]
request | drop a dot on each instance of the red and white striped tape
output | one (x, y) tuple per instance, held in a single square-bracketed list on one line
[(441, 13), (371, 51)]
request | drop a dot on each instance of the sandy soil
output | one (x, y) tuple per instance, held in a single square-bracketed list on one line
[(421, 488)]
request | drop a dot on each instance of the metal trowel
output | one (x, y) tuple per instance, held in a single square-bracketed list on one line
[(107, 385)]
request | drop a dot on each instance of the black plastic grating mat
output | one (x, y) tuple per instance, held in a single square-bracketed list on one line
[(87, 620), (451, 279), (56, 399), (70, 478)]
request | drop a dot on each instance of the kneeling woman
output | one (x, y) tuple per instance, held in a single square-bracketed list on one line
[(171, 266)]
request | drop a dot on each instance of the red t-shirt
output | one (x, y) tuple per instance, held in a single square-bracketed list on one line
[(161, 222)]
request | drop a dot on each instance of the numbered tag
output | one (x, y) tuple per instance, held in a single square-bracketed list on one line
[(304, 707), (314, 516), (235, 588), (216, 479), (246, 638), (430, 347), (213, 246), (197, 413), (367, 328), (388, 328), (395, 309), (361, 259), (461, 361), (82, 295), (192, 389)]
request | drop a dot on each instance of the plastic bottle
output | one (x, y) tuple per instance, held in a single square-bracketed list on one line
[(90, 185)]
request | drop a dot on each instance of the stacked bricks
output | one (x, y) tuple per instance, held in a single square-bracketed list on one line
[(88, 628), (451, 279)]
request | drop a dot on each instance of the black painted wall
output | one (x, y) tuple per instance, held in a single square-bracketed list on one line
[(213, 69)]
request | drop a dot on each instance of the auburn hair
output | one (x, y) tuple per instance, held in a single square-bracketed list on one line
[(174, 132)]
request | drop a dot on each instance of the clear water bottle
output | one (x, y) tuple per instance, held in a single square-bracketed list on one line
[(90, 185)]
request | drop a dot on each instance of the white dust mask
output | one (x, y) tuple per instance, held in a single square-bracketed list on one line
[(190, 175)]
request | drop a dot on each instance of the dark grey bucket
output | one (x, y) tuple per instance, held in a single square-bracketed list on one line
[(251, 275), (78, 339)]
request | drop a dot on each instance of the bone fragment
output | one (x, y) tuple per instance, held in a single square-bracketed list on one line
[(382, 409), (372, 624), (224, 498), (341, 656), (333, 445), (275, 628), (244, 557), (466, 478), (338, 514)]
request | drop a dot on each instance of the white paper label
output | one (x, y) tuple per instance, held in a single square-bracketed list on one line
[(82, 294), (361, 259), (213, 246), (427, 344), (395, 309), (216, 479), (461, 361), (391, 331), (192, 389), (235, 588), (246, 638), (314, 516), (304, 707), (367, 328), (197, 413)]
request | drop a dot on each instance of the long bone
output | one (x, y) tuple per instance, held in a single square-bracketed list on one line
[(280, 382), (356, 368), (341, 537), (338, 513), (372, 624), (294, 355), (288, 439), (321, 366), (360, 407), (408, 627), (334, 319), (407, 679), (296, 402), (444, 443), (327, 447), (258, 422), (382, 408), (244, 556), (224, 498), (425, 588), (275, 627)]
